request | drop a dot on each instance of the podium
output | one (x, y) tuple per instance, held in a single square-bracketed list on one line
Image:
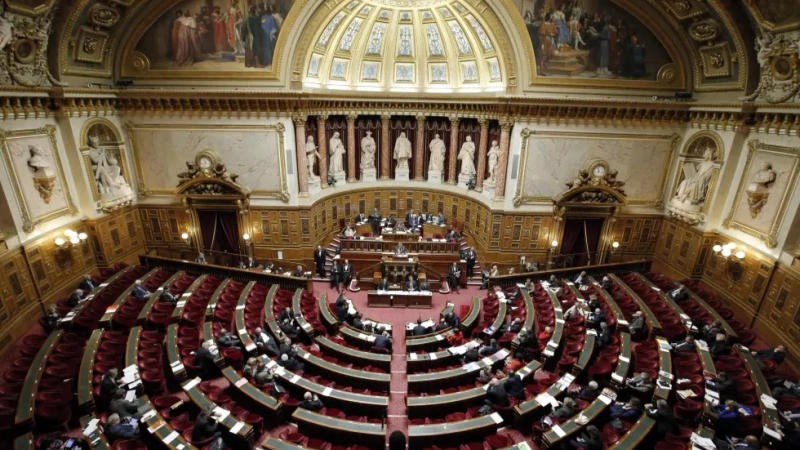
[(396, 269)]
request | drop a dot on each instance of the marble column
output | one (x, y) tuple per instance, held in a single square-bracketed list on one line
[(419, 150), (302, 162), (482, 150), (502, 162), (453, 150), (322, 148), (385, 152), (351, 148)]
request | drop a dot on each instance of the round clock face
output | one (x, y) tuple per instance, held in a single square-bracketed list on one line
[(205, 163), (599, 170)]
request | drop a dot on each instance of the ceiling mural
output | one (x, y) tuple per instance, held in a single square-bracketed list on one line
[(776, 15), (591, 39), (214, 36)]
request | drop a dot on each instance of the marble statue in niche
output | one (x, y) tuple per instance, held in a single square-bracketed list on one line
[(44, 176), (758, 190), (311, 158), (111, 183), (368, 157), (436, 162), (689, 199), (402, 153), (337, 152), (467, 157), (494, 156)]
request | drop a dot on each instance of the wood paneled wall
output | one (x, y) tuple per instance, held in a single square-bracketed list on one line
[(637, 236), (163, 225), (779, 319), (117, 236)]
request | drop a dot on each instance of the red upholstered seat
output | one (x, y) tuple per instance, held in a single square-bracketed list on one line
[(129, 444)]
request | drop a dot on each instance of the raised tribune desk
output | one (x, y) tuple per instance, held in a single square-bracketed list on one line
[(400, 299)]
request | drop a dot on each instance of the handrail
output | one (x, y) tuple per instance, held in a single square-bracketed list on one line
[(242, 275), (599, 269)]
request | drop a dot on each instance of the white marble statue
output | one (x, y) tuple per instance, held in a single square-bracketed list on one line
[(39, 163), (368, 151), (111, 183), (494, 156), (467, 157), (438, 150), (402, 151), (759, 188), (311, 158), (693, 189), (337, 151)]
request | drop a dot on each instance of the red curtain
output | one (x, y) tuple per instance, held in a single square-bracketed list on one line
[(572, 241), (407, 125), (220, 230), (434, 126), (594, 227), (364, 124)]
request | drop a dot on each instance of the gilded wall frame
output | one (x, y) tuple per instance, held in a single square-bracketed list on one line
[(768, 234), (118, 143), (29, 219), (278, 128), (520, 198)]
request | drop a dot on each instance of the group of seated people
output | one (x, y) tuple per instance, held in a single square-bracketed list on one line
[(411, 284), (413, 223), (251, 263)]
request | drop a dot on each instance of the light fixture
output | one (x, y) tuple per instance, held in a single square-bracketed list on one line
[(68, 238), (246, 236), (733, 257), (615, 245), (554, 244), (185, 236)]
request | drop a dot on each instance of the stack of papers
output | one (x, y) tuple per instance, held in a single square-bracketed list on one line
[(702, 442)]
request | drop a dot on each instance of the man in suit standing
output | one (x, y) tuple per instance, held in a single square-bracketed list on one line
[(347, 273), (375, 220), (469, 256), (336, 275), (453, 276), (412, 219)]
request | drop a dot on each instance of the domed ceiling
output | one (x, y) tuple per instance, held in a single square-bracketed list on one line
[(405, 46)]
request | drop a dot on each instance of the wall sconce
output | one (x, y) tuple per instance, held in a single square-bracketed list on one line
[(729, 253), (70, 238), (246, 238), (553, 245)]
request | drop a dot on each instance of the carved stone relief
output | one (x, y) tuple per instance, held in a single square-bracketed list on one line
[(23, 49), (778, 55)]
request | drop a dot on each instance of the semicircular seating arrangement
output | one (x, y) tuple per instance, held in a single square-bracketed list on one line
[(53, 381)]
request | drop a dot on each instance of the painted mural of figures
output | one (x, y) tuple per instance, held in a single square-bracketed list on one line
[(241, 35), (604, 48), (205, 30), (633, 56), (231, 17), (187, 50), (269, 27), (255, 49), (560, 21), (220, 33), (175, 31), (547, 37), (575, 31)]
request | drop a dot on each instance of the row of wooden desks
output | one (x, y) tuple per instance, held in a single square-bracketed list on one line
[(154, 297), (419, 406), (769, 416), (105, 320), (361, 357), (339, 430), (726, 327), (233, 425), (400, 299), (252, 394), (525, 411), (558, 433), (238, 319), (180, 306), (27, 395), (86, 372), (652, 321), (553, 345), (417, 362), (619, 317), (68, 317), (346, 375), (469, 429), (376, 404), (421, 382), (297, 310), (212, 302)]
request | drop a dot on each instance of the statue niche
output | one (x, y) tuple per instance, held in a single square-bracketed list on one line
[(105, 154), (697, 173)]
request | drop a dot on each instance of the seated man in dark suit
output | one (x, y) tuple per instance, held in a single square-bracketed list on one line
[(109, 384), (489, 349), (87, 283), (451, 235), (411, 284), (496, 395), (298, 272), (514, 386), (383, 285), (679, 293), (227, 339), (290, 362), (206, 361), (205, 427), (360, 218), (265, 342), (123, 407), (383, 341), (166, 296), (286, 313), (75, 298), (420, 329), (117, 429), (139, 292), (311, 402)]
